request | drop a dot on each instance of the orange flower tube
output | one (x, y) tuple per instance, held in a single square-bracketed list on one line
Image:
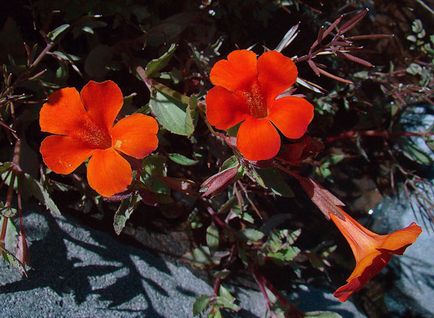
[(371, 251), (83, 127), (247, 91)]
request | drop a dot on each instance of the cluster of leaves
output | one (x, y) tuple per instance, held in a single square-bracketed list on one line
[(242, 219)]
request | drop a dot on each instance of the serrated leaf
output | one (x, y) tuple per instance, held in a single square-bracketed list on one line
[(200, 304), (225, 293), (226, 300), (252, 234), (123, 213), (284, 255), (7, 250), (200, 255), (154, 66), (53, 35), (212, 236), (182, 160), (35, 188)]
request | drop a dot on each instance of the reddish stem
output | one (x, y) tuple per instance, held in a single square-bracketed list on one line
[(263, 283)]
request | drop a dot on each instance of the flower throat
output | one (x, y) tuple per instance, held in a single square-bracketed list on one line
[(256, 102)]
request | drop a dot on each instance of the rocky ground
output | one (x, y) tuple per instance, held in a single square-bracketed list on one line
[(80, 272)]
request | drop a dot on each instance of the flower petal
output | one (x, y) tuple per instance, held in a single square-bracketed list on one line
[(135, 135), (257, 139), (108, 173), (291, 115), (237, 72), (224, 109), (365, 270), (64, 154), (63, 112), (276, 73), (399, 240), (103, 101)]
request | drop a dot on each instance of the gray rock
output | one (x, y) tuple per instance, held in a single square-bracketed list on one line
[(314, 299), (414, 288), (81, 272), (78, 272)]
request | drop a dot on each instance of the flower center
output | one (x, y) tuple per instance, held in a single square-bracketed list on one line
[(256, 102), (94, 136)]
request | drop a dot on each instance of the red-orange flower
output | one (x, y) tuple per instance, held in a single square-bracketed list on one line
[(83, 127), (371, 251), (246, 90)]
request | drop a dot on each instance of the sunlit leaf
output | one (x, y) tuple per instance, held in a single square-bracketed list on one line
[(54, 34), (154, 66), (200, 304), (35, 188), (123, 213), (182, 160), (212, 236)]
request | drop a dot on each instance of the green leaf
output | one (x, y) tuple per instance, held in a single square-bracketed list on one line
[(414, 69), (252, 234), (35, 188), (231, 162), (226, 300), (154, 66), (53, 35), (96, 63), (322, 314), (244, 215), (11, 241), (226, 294), (182, 160), (285, 255), (4, 166), (200, 304), (154, 167), (278, 246), (417, 26), (212, 236), (202, 257), (123, 213), (416, 154), (216, 313), (170, 112), (272, 179), (7, 211), (66, 56), (191, 115)]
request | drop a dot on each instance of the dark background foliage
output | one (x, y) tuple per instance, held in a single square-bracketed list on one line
[(365, 127)]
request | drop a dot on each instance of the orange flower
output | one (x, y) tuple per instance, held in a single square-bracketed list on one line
[(245, 91), (83, 127), (371, 251)]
